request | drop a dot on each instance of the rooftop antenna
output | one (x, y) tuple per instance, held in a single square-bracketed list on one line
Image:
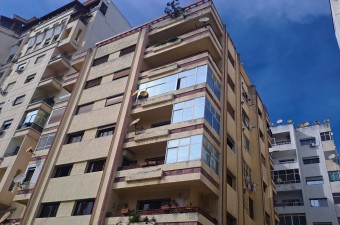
[(327, 120), (289, 121), (300, 125), (306, 124), (317, 122), (279, 121)]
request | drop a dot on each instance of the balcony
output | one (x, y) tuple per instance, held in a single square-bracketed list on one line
[(69, 81), (78, 60), (50, 85), (189, 44), (59, 63), (35, 120), (187, 21), (42, 103), (190, 174), (71, 36), (166, 216), (290, 207), (22, 196)]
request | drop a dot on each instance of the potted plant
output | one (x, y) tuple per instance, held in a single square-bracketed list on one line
[(125, 209), (134, 217)]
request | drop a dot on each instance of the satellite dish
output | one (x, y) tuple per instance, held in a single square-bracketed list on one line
[(135, 93), (306, 124), (30, 150), (134, 122), (332, 156), (4, 217), (300, 125), (326, 120), (143, 94), (19, 178), (289, 121), (204, 19), (317, 122), (279, 121)]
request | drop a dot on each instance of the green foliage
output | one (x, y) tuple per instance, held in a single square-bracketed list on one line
[(173, 9), (163, 42), (134, 217)]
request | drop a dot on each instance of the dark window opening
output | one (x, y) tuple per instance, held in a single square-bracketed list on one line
[(95, 166), (83, 207), (103, 8), (62, 171), (153, 204), (49, 210), (105, 131), (100, 60), (29, 175), (84, 108), (93, 83), (75, 137), (114, 99), (127, 50)]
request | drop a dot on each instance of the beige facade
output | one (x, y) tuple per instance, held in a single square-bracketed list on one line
[(163, 123), (44, 59)]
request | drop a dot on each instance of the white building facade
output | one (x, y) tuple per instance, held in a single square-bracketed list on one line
[(335, 7), (306, 174)]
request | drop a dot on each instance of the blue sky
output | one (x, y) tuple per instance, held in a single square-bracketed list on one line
[(287, 47)]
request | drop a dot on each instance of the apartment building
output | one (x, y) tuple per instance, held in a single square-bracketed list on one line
[(335, 10), (45, 57), (159, 124), (306, 174)]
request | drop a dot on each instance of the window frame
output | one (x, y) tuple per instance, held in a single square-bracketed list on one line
[(74, 135), (59, 173), (105, 131), (19, 100), (91, 166), (93, 83), (52, 212)]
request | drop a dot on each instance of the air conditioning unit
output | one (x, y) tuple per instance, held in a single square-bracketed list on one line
[(312, 145)]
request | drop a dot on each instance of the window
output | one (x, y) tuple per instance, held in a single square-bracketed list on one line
[(326, 136), (39, 38), (21, 67), (334, 176), (245, 119), (84, 108), (322, 223), (103, 8), (105, 131), (307, 141), (261, 135), (263, 159), (246, 143), (39, 59), (75, 137), (193, 109), (29, 175), (231, 59), (231, 144), (57, 31), (292, 219), (192, 148), (7, 124), (36, 117), (259, 112), (45, 141), (56, 115), (153, 204), (311, 160), (246, 171), (31, 42), (230, 110), (62, 171), (10, 86), (93, 83), (127, 50), (318, 202), (251, 208), (336, 197), (286, 176), (231, 220), (231, 83), (19, 100), (187, 78), (29, 78), (49, 209), (100, 60), (78, 35), (121, 73), (314, 180), (95, 166), (114, 99), (1, 74), (231, 180), (283, 161), (83, 207)]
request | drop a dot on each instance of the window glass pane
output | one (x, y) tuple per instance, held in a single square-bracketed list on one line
[(195, 151), (183, 153), (188, 114), (177, 116), (171, 155), (173, 143)]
